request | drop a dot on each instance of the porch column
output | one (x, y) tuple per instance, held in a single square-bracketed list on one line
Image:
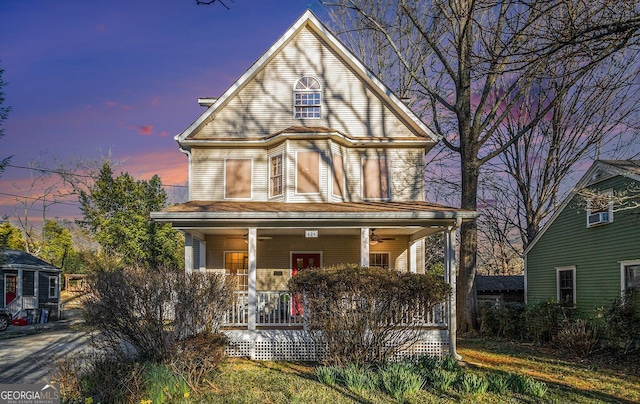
[(252, 239), (36, 282), (19, 289), (188, 252), (203, 256), (364, 247), (413, 257), (450, 272)]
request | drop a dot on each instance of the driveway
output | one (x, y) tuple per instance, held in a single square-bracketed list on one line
[(30, 358)]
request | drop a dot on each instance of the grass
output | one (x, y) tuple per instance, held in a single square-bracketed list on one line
[(565, 379)]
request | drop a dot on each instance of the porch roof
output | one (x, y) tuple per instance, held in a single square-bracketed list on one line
[(13, 259), (283, 214)]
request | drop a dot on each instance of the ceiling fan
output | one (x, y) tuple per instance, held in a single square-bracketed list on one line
[(375, 239), (245, 237)]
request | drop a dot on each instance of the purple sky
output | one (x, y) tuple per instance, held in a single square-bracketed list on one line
[(88, 77)]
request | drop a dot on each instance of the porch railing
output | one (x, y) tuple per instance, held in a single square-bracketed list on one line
[(22, 303), (275, 309)]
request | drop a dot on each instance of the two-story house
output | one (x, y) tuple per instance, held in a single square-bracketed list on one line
[(588, 253), (308, 160)]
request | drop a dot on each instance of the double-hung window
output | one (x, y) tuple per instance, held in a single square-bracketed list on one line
[(379, 260), (630, 275), (307, 98), (566, 281), (275, 175)]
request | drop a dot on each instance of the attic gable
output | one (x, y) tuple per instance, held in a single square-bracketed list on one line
[(260, 103)]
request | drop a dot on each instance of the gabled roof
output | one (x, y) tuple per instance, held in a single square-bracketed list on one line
[(502, 283), (599, 171), (10, 259), (310, 21)]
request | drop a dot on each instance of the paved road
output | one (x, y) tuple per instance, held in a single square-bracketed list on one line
[(31, 358)]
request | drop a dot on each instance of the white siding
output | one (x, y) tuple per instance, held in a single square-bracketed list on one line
[(265, 105)]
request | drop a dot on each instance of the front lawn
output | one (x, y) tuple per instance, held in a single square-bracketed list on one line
[(568, 380)]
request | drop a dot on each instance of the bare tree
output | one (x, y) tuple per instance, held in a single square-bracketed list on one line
[(599, 115), (212, 2), (473, 61), (4, 114)]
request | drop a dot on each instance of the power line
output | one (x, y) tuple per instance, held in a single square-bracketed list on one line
[(38, 199), (60, 172)]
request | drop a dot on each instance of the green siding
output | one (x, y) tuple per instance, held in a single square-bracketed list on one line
[(595, 252)]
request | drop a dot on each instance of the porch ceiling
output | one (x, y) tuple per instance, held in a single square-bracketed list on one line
[(408, 215)]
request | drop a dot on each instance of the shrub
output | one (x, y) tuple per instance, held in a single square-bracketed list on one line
[(197, 356), (400, 380), (578, 337), (359, 378), (472, 383), (425, 364), (149, 311), (364, 315), (501, 320), (622, 323), (542, 320), (100, 376)]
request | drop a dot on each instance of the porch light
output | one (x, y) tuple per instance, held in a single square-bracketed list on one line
[(373, 242)]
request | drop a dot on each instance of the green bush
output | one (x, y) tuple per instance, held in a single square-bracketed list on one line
[(364, 315), (542, 320), (400, 380), (472, 383), (501, 320), (622, 323)]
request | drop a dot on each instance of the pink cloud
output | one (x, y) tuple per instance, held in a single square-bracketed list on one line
[(111, 104), (100, 28), (145, 130), (164, 133), (155, 101)]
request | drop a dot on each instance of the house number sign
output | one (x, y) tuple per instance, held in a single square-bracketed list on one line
[(311, 233)]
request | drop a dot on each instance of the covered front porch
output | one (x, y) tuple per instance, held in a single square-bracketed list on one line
[(263, 245)]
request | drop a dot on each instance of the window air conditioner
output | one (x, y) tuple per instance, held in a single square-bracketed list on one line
[(598, 218)]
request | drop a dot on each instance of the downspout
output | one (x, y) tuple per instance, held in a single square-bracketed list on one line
[(188, 153)]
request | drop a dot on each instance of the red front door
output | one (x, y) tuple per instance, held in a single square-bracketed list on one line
[(299, 262), (10, 288)]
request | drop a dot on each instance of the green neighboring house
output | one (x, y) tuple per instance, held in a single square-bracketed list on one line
[(588, 253)]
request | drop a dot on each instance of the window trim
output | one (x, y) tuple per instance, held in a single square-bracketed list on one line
[(609, 194), (562, 269), (224, 190), (388, 254), (224, 265), (272, 156), (623, 274), (56, 287), (307, 91)]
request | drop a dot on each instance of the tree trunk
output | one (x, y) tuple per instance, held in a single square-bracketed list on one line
[(466, 299)]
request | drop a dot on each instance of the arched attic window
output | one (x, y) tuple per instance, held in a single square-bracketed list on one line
[(307, 98)]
